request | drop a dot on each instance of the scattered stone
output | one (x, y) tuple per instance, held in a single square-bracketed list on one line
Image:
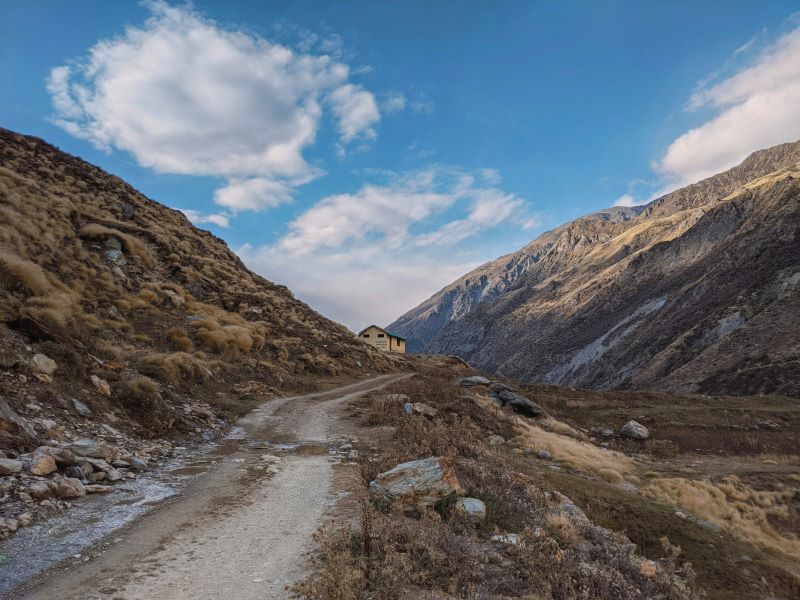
[(420, 482), (15, 428), (496, 440), (120, 464), (176, 299), (473, 380), (10, 466), (136, 463), (42, 464), (471, 509), (607, 433), (24, 519), (635, 430), (649, 569), (81, 408), (768, 424), (43, 365), (629, 487), (506, 538), (352, 455), (101, 385), (420, 408), (62, 456), (544, 455), (498, 387), (68, 487), (604, 444), (98, 464), (97, 489), (520, 404), (25, 497)]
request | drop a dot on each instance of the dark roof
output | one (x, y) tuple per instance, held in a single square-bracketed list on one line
[(391, 333)]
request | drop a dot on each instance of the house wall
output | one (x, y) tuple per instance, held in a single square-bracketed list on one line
[(385, 343)]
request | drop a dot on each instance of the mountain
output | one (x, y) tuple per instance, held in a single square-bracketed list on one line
[(697, 292), (107, 282)]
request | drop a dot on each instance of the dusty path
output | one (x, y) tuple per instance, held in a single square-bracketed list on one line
[(243, 528)]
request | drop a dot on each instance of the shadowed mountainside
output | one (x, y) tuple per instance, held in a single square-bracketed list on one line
[(699, 291)]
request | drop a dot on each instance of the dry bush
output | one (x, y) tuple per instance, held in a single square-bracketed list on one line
[(176, 368), (142, 399), (15, 271), (611, 475), (147, 297), (180, 339), (733, 505)]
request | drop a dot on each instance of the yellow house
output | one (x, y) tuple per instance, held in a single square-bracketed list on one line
[(383, 339)]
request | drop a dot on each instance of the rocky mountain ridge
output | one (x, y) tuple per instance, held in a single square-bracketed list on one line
[(695, 292)]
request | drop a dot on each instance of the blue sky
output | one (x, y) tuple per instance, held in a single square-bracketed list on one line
[(366, 154)]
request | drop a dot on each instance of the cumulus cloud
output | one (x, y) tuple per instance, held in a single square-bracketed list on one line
[(394, 102), (184, 95), (198, 218), (256, 193), (357, 111), (757, 107), (376, 252)]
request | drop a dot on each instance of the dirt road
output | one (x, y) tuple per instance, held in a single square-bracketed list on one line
[(243, 528)]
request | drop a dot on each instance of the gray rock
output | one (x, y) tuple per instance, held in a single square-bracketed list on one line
[(40, 490), (526, 407), (15, 427), (607, 433), (116, 256), (114, 475), (408, 408), (498, 387), (473, 380), (420, 408), (62, 456), (506, 538), (136, 463), (43, 364), (419, 482), (8, 525), (81, 408), (496, 440), (471, 509), (87, 447), (68, 487), (629, 487), (94, 488), (396, 398), (768, 424), (635, 430), (9, 466), (544, 455)]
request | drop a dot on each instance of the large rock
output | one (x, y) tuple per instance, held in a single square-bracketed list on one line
[(15, 429), (42, 464), (419, 408), (87, 447), (62, 456), (68, 487), (525, 406), (473, 380), (420, 482), (81, 408), (9, 466), (635, 430), (471, 509), (43, 364), (101, 385), (41, 490)]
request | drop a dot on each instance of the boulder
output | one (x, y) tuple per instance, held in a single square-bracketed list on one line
[(544, 455), (81, 408), (87, 447), (498, 387), (635, 430), (506, 538), (101, 385), (114, 475), (9, 466), (40, 490), (8, 525), (43, 364), (68, 487), (14, 428), (471, 509), (98, 464), (496, 440), (42, 464), (420, 482), (136, 463), (62, 456), (473, 380)]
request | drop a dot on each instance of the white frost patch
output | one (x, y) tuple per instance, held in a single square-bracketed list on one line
[(594, 350)]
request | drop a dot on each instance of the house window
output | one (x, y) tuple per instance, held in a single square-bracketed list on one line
[(366, 335), (380, 335)]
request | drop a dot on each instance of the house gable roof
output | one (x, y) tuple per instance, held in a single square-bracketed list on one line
[(391, 333)]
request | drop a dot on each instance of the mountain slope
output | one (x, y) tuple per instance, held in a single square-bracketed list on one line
[(700, 292), (110, 283)]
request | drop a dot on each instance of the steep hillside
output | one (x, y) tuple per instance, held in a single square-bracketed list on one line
[(700, 292), (110, 284)]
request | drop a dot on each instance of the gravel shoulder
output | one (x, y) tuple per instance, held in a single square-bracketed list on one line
[(241, 529)]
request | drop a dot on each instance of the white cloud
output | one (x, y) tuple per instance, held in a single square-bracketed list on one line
[(755, 108), (628, 200), (373, 254), (184, 95), (357, 111), (394, 102), (198, 218), (256, 193), (491, 176)]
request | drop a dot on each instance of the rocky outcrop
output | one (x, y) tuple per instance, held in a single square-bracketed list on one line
[(419, 483), (697, 292)]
